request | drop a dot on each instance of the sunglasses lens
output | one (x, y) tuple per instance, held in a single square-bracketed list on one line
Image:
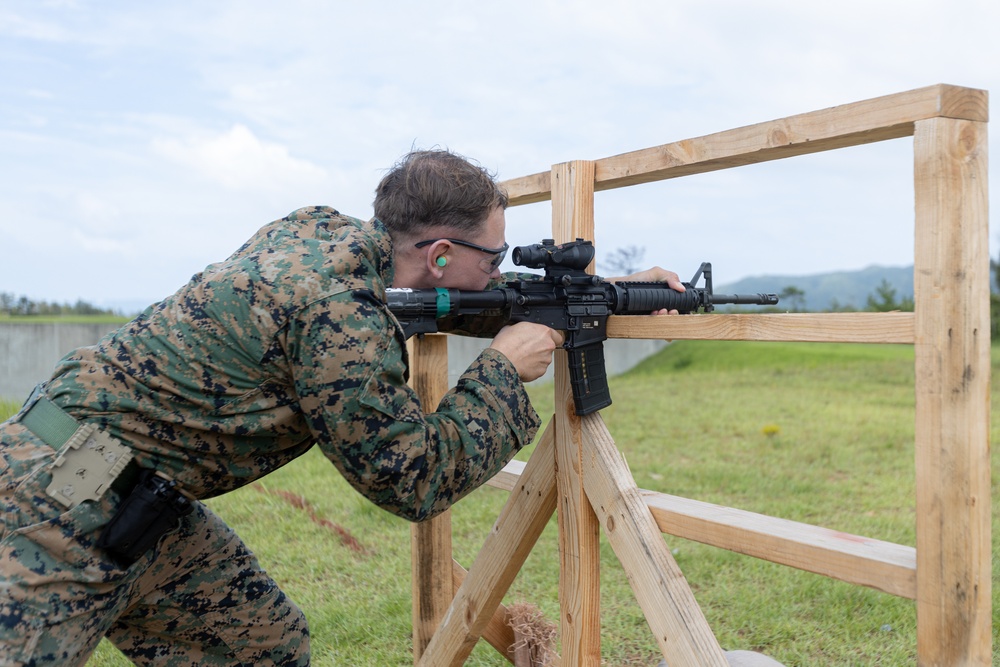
[(497, 259)]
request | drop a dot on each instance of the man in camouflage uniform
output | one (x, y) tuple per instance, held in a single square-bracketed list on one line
[(285, 344)]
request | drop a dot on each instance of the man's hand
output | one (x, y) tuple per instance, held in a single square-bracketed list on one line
[(654, 275), (529, 347)]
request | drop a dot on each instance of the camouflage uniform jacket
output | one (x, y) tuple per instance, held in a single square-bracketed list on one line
[(285, 344)]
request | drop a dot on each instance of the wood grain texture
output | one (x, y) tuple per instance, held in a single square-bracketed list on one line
[(678, 624), (430, 541), (856, 559), (504, 551), (579, 530), (952, 355), (878, 119), (786, 327)]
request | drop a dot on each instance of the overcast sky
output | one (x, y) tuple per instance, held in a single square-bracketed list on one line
[(141, 141)]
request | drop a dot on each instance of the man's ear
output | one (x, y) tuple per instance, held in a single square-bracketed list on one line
[(437, 258)]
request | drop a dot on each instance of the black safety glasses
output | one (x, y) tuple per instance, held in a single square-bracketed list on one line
[(493, 262)]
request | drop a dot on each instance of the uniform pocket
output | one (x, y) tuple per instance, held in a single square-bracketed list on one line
[(51, 562)]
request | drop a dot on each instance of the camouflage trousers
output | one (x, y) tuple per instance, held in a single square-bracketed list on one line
[(199, 597)]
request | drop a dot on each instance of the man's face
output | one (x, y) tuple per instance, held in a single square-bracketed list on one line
[(470, 268)]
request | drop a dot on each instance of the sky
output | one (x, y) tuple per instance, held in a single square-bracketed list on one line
[(140, 142)]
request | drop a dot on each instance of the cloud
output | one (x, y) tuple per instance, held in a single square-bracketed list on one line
[(102, 245), (14, 25), (180, 127), (238, 160)]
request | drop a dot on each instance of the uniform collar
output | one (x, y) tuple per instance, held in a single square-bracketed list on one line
[(384, 257)]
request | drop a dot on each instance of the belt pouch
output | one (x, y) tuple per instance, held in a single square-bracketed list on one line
[(152, 509)]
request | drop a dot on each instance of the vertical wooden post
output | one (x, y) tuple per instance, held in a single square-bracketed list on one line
[(522, 520), (579, 529), (952, 350), (430, 541)]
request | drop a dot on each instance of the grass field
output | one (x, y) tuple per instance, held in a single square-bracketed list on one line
[(816, 433)]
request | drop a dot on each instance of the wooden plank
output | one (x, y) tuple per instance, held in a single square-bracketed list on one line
[(666, 600), (579, 530), (504, 551), (430, 541), (508, 477), (878, 119), (884, 566), (952, 356), (856, 559), (529, 189), (497, 632), (892, 327)]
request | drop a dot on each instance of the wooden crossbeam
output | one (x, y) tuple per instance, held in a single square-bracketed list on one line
[(878, 119), (786, 327), (856, 559)]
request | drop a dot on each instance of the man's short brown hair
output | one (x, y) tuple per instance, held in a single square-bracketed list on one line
[(436, 187)]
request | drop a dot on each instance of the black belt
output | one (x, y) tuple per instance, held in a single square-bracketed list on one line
[(54, 426)]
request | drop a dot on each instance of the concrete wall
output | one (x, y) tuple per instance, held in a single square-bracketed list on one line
[(28, 353)]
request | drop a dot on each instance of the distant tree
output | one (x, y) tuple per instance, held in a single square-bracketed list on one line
[(884, 299), (10, 304), (81, 307), (792, 298), (837, 307), (624, 261), (7, 301)]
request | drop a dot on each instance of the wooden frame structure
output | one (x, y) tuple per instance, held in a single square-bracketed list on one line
[(577, 468)]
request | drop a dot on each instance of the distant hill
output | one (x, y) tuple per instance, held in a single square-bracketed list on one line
[(824, 291)]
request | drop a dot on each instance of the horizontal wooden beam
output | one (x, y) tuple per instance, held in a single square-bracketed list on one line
[(895, 327), (883, 566), (878, 119)]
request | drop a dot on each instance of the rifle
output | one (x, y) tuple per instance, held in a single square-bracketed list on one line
[(566, 298)]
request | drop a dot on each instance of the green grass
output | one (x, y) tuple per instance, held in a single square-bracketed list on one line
[(816, 433), (8, 408)]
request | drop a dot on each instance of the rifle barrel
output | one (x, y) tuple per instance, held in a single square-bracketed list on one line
[(759, 299)]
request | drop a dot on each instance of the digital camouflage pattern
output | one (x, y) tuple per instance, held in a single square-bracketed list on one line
[(198, 598), (284, 345)]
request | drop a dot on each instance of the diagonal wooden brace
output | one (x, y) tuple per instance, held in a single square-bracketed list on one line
[(504, 551), (664, 596)]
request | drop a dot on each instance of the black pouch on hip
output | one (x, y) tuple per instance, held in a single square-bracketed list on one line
[(154, 507)]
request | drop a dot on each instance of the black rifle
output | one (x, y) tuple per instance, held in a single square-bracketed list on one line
[(566, 298)]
